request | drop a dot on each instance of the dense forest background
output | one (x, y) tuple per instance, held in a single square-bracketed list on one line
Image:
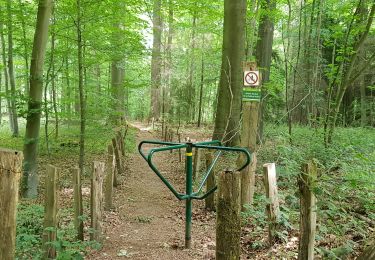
[(70, 69)]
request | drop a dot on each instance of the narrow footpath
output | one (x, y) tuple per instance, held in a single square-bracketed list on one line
[(148, 221)]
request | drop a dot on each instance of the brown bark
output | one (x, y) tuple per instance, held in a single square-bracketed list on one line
[(227, 120)]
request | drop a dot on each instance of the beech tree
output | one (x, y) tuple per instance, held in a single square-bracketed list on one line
[(227, 120), (30, 174)]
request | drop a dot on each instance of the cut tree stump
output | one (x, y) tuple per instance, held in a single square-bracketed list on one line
[(51, 209), (10, 174), (210, 184), (77, 203), (97, 200), (228, 220), (306, 183), (272, 208)]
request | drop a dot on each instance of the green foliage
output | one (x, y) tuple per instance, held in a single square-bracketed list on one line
[(29, 231), (345, 183)]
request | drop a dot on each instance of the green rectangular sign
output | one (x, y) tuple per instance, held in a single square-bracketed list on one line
[(251, 94)]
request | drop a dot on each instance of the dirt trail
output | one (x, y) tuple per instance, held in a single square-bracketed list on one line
[(148, 221)]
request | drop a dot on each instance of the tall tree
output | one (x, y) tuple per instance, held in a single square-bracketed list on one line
[(13, 108), (263, 51), (156, 60), (81, 90), (227, 121), (30, 175)]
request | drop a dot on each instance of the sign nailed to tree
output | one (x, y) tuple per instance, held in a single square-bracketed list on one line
[(251, 78)]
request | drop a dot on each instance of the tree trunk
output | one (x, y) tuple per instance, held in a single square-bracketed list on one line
[(156, 60), (13, 109), (82, 101), (363, 102), (6, 76), (30, 176), (227, 121), (263, 53), (201, 94), (25, 49)]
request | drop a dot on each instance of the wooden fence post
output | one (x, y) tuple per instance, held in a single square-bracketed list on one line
[(116, 152), (272, 208), (97, 200), (228, 221), (51, 209), (10, 174), (111, 154), (306, 182), (248, 182), (77, 203), (109, 179), (210, 200), (120, 142)]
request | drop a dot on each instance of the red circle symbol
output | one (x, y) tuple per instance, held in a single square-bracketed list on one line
[(251, 78)]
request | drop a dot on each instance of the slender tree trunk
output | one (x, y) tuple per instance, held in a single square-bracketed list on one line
[(81, 90), (156, 60), (12, 82), (363, 102), (169, 67), (30, 176), (190, 83), (25, 47), (227, 121), (201, 93)]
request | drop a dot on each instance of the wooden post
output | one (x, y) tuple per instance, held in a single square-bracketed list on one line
[(210, 200), (248, 140), (117, 158), (306, 183), (197, 163), (272, 209), (77, 201), (51, 209), (228, 221), (120, 142), (115, 170), (97, 200), (109, 181), (10, 174)]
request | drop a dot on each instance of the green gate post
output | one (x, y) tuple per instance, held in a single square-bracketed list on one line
[(189, 191)]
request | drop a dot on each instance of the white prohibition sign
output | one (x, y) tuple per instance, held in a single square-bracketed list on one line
[(251, 78)]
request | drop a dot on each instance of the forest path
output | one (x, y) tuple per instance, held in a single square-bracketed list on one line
[(148, 221)]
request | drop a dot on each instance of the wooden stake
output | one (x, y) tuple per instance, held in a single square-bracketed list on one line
[(248, 182), (248, 140), (228, 221), (97, 200), (306, 183), (117, 158), (10, 174), (120, 142), (272, 209), (210, 200), (78, 209), (115, 169), (51, 209), (108, 195)]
